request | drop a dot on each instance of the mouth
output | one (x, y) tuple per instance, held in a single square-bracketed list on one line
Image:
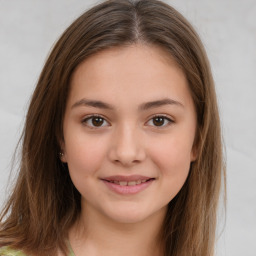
[(128, 184)]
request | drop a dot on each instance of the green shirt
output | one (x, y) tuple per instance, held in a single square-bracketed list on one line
[(7, 251)]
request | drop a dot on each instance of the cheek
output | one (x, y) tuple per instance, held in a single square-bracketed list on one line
[(172, 157), (84, 155), (171, 153)]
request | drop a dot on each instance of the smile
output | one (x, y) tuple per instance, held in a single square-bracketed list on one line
[(126, 185), (129, 183)]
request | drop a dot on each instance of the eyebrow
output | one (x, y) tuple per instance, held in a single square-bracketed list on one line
[(142, 107)]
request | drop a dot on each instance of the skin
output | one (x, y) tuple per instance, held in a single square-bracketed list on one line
[(127, 141)]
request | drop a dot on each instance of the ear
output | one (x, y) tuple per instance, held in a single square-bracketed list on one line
[(195, 147), (194, 153), (62, 153)]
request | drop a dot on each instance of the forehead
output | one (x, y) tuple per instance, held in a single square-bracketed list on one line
[(126, 60), (132, 71)]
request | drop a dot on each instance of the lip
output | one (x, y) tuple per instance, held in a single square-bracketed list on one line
[(127, 190), (126, 178)]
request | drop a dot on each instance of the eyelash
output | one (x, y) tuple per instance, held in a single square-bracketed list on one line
[(85, 120)]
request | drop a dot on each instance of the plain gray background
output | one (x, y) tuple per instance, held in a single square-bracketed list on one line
[(28, 29)]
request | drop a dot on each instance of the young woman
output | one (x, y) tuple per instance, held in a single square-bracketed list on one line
[(122, 151)]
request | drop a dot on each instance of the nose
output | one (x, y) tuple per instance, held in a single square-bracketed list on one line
[(126, 147)]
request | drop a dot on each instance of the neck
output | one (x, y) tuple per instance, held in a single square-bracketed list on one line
[(95, 234)]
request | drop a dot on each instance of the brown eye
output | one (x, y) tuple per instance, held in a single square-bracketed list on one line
[(95, 122), (160, 121)]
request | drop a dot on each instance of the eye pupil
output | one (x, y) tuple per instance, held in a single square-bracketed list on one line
[(158, 121), (97, 121)]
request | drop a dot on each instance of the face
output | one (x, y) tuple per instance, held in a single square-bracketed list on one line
[(129, 129)]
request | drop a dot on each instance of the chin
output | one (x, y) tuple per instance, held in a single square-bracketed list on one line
[(129, 216), (128, 219)]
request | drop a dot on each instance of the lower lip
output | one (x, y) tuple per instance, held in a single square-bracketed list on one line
[(128, 190)]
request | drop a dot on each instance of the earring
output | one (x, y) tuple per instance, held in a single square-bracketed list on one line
[(61, 154)]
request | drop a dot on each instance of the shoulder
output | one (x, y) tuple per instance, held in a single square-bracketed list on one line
[(7, 251)]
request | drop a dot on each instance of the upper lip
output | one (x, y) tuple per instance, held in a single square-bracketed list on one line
[(126, 178)]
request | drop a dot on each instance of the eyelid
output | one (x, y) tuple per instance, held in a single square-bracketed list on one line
[(166, 117), (86, 118)]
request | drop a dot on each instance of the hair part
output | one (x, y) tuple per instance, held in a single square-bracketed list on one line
[(36, 218)]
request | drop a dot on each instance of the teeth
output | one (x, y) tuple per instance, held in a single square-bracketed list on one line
[(128, 183), (123, 183), (131, 183)]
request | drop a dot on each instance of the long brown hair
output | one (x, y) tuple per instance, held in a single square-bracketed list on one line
[(44, 203)]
